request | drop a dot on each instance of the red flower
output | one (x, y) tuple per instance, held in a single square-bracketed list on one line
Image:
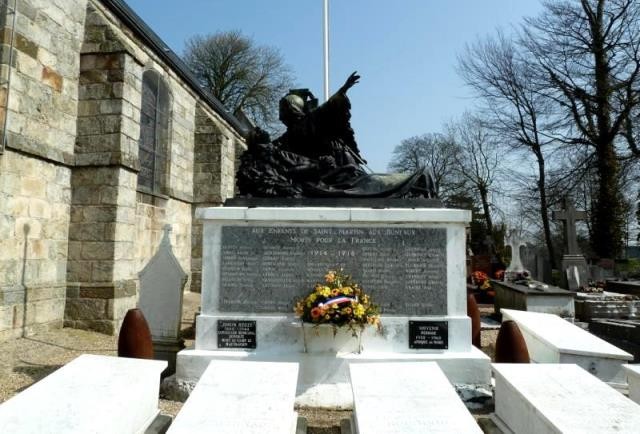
[(316, 312)]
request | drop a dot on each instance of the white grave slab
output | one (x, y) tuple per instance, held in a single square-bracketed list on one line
[(241, 397), (554, 398), (633, 377), (551, 339), (91, 394), (406, 398)]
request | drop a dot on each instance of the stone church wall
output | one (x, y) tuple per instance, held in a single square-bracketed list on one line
[(35, 167), (69, 169)]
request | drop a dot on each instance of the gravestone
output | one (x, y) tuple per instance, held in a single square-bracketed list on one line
[(258, 261), (241, 397), (552, 398), (407, 398), (162, 283), (515, 268), (575, 272)]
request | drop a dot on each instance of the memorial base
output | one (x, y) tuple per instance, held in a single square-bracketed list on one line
[(324, 366), (324, 377)]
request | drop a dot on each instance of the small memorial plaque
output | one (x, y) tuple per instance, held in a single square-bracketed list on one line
[(428, 335), (236, 334)]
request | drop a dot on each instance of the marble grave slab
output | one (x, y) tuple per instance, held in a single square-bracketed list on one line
[(91, 394), (244, 397), (559, 398), (551, 339), (406, 398)]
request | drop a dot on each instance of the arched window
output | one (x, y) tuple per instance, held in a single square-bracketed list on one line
[(154, 134)]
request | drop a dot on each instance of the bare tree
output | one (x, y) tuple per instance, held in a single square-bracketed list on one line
[(434, 152), (241, 74), (588, 52), (504, 82), (477, 161)]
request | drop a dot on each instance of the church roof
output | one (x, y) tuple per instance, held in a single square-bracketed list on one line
[(149, 37)]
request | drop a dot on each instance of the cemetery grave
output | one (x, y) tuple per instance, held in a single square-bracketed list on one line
[(559, 398), (551, 339), (97, 394), (406, 398), (246, 397)]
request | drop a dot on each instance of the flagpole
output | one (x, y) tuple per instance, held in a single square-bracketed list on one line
[(326, 50)]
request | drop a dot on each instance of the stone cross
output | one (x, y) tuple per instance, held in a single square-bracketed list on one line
[(515, 242), (569, 215)]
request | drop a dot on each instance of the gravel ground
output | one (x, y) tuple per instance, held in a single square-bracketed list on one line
[(27, 360)]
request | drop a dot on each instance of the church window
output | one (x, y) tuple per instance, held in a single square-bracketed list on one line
[(154, 134)]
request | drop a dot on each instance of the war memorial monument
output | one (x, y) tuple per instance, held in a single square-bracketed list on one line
[(306, 206)]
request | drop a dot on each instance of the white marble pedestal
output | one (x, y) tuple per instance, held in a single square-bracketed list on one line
[(324, 379)]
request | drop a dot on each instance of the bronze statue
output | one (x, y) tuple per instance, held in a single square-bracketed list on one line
[(318, 156)]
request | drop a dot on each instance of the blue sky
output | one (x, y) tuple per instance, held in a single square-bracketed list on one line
[(405, 52)]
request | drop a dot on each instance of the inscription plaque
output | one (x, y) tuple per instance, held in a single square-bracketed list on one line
[(265, 268), (236, 334), (428, 335)]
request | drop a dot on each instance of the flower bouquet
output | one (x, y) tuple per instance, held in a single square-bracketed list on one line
[(481, 279), (339, 302)]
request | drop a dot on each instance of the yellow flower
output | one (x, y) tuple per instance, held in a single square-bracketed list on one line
[(334, 306), (347, 290), (313, 297), (358, 311), (335, 291), (346, 310), (326, 291), (330, 276)]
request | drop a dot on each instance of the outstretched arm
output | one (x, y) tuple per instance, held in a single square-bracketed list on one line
[(351, 80)]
